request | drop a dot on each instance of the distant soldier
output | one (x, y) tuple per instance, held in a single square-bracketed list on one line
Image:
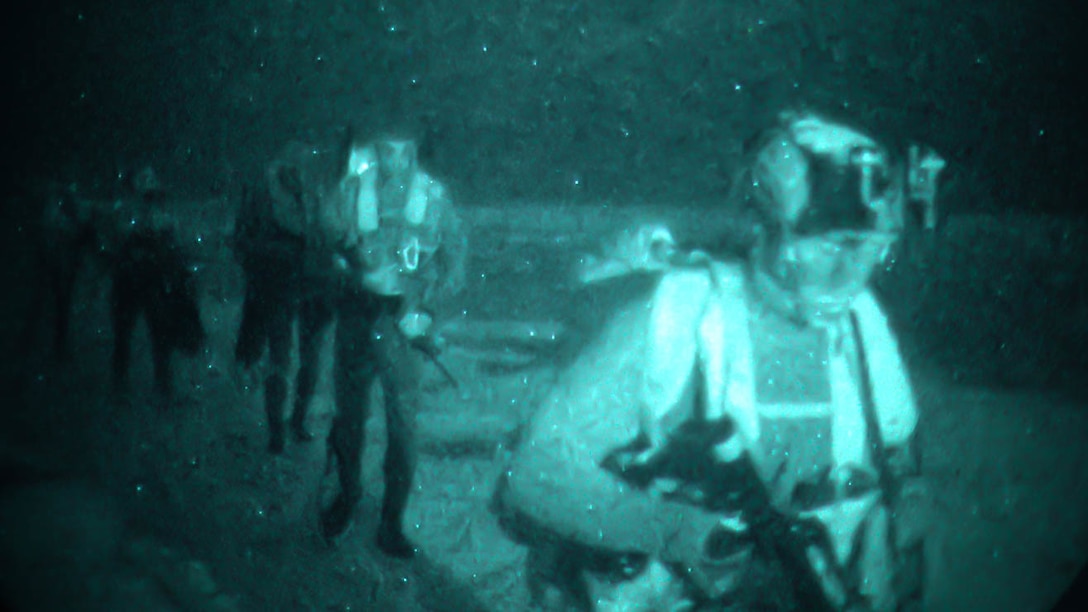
[(153, 277), (362, 233), (63, 238), (135, 241)]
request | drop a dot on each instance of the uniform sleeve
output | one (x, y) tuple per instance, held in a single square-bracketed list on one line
[(556, 478), (446, 276)]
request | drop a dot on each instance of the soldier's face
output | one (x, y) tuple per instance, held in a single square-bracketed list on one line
[(398, 159), (826, 271)]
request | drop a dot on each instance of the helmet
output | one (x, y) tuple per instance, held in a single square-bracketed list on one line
[(815, 176), (830, 200), (145, 185)]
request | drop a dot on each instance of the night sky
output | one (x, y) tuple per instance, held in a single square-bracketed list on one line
[(571, 101)]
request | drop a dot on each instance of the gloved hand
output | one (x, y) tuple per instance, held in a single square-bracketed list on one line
[(415, 324), (712, 552), (416, 327)]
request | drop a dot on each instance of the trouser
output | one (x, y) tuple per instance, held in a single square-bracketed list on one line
[(314, 314), (273, 292), (369, 348), (58, 264), (277, 294), (55, 283)]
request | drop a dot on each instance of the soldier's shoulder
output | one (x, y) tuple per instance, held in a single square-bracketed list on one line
[(729, 275), (435, 189), (703, 273), (689, 287)]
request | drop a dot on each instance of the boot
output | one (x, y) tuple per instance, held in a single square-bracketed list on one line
[(275, 394), (298, 424), (392, 541), (337, 520)]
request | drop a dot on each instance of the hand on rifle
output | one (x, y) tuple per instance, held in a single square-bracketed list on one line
[(416, 327), (712, 557), (427, 344)]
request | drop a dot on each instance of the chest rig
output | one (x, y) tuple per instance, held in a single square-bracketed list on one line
[(395, 242), (807, 398), (806, 402)]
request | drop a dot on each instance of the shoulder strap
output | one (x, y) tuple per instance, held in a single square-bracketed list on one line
[(868, 408), (367, 214), (890, 391), (726, 354), (368, 205), (415, 209), (889, 484)]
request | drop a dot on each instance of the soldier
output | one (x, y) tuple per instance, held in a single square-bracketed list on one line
[(745, 435), (270, 244), (381, 246), (152, 276), (64, 237)]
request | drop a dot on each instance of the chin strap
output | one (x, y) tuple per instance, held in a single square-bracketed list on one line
[(787, 304)]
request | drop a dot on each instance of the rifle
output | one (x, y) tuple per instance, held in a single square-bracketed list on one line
[(429, 348), (730, 487)]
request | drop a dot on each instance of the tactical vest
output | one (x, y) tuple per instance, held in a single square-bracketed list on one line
[(792, 392), (384, 234), (803, 376), (397, 236)]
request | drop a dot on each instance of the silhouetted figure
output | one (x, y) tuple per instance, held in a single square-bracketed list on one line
[(134, 240), (277, 294), (151, 278), (63, 239)]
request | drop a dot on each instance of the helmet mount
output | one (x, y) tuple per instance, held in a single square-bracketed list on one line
[(832, 203)]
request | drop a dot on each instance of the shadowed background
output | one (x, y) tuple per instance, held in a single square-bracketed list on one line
[(525, 99)]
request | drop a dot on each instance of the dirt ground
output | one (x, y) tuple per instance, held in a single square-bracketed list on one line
[(117, 503)]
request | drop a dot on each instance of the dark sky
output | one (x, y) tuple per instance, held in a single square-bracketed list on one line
[(551, 100)]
